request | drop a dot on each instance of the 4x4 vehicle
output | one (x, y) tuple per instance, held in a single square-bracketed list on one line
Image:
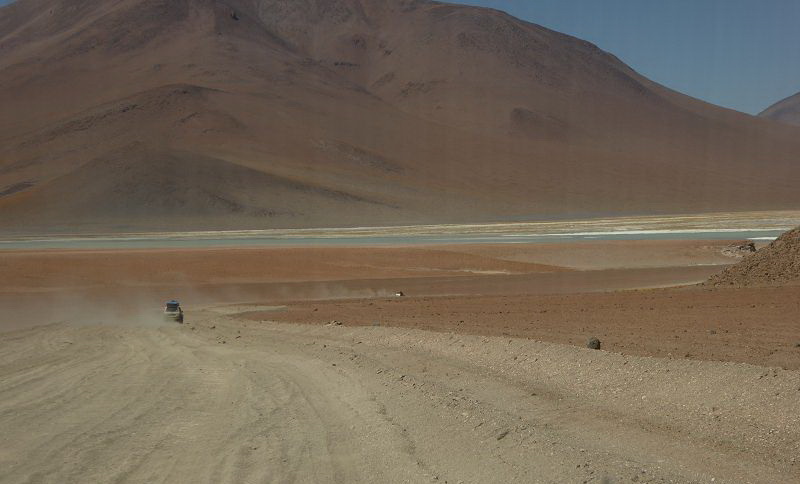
[(173, 311)]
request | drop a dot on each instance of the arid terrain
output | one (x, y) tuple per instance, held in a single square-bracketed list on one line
[(414, 241), (226, 400), (197, 114), (776, 265), (42, 285), (302, 365)]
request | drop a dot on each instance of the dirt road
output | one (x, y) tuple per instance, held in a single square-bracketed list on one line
[(228, 400)]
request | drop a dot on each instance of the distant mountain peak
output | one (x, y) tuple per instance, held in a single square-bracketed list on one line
[(786, 110)]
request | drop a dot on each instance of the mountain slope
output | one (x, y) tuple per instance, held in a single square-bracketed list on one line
[(786, 110), (148, 114)]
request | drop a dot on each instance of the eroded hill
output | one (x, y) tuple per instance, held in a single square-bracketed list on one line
[(164, 114)]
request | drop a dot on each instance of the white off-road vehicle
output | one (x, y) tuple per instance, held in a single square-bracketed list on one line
[(173, 311)]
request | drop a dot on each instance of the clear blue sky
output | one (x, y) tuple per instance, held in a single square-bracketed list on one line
[(742, 54)]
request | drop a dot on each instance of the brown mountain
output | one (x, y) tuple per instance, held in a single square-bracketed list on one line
[(786, 110), (151, 114), (776, 264)]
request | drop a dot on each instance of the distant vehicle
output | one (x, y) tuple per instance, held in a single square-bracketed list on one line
[(173, 311)]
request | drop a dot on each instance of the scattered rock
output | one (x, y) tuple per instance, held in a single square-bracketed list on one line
[(739, 250), (593, 344)]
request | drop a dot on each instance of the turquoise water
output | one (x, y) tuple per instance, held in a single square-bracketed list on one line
[(155, 241)]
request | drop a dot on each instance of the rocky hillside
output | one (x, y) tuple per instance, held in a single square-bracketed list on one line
[(778, 263)]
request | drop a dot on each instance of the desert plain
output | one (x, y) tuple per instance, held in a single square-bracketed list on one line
[(302, 364), (383, 355)]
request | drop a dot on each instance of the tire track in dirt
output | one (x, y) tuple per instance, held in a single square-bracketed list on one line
[(227, 400), (143, 404)]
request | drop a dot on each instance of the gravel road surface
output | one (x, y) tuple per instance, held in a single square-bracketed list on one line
[(222, 399)]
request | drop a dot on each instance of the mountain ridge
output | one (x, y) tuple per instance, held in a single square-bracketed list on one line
[(786, 110), (412, 111)]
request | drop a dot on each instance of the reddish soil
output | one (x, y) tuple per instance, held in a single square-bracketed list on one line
[(485, 290), (756, 325), (46, 286), (71, 269)]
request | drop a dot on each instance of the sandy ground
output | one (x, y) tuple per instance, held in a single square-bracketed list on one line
[(60, 269), (477, 375), (227, 400), (39, 287)]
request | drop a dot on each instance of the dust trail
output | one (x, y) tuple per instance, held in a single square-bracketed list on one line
[(132, 310)]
